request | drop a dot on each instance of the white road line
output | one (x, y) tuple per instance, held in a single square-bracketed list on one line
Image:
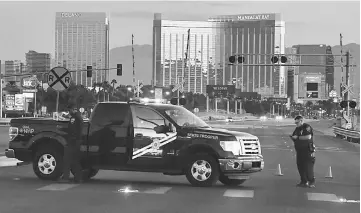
[(159, 190), (4, 161), (57, 187), (322, 197), (238, 193)]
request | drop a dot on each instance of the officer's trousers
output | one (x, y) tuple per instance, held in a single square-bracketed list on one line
[(305, 164), (72, 161)]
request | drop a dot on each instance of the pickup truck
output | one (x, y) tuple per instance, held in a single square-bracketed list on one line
[(132, 136)]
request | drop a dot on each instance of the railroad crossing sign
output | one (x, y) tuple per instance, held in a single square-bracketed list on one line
[(179, 87), (347, 89), (59, 78), (138, 88)]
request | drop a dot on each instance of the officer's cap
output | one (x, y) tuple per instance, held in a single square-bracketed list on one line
[(298, 117)]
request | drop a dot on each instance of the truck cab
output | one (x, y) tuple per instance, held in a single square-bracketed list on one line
[(142, 137)]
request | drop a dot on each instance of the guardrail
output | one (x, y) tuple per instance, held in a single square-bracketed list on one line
[(349, 135)]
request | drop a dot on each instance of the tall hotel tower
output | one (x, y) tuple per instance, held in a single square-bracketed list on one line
[(211, 43), (81, 40)]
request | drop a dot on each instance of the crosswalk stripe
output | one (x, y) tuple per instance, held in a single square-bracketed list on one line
[(238, 193), (322, 197), (159, 190), (57, 187)]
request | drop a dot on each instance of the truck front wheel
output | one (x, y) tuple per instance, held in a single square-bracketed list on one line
[(48, 163), (202, 170), (230, 182)]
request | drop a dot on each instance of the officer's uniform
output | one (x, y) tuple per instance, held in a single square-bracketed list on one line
[(305, 154), (72, 150)]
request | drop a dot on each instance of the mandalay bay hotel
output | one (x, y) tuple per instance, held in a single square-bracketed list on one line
[(207, 46)]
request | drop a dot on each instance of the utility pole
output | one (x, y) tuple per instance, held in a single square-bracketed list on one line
[(1, 92), (133, 59)]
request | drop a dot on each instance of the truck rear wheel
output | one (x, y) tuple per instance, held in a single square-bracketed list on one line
[(230, 182), (48, 163), (202, 170)]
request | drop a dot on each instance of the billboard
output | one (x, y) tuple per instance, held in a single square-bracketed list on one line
[(219, 91)]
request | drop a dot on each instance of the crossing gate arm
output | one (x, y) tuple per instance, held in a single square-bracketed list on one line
[(346, 132)]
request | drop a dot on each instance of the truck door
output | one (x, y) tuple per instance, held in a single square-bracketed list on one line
[(110, 138), (144, 121)]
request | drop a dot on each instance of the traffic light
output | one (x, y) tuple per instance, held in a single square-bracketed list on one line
[(232, 59), (182, 101), (343, 104), (174, 101), (352, 104), (275, 59), (89, 72), (119, 69)]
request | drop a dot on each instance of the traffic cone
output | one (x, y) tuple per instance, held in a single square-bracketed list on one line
[(279, 172), (329, 175)]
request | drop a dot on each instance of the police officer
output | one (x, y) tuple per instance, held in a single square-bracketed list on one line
[(72, 149), (304, 146)]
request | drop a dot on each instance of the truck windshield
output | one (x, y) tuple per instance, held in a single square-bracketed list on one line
[(185, 118)]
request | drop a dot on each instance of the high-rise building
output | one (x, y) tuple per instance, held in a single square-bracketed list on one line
[(37, 63), (13, 68), (81, 40), (313, 82), (210, 45)]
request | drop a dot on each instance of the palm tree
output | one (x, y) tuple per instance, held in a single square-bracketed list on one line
[(113, 83)]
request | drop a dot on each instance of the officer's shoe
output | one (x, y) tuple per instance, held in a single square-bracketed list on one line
[(311, 185), (302, 184)]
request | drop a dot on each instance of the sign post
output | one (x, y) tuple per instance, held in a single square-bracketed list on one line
[(59, 79)]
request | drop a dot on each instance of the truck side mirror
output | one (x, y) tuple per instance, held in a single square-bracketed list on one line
[(161, 129)]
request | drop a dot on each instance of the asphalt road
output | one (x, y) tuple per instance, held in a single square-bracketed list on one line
[(264, 192)]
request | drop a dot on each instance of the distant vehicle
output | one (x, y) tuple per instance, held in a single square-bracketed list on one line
[(129, 136)]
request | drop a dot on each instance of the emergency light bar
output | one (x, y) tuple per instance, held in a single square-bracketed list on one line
[(149, 100)]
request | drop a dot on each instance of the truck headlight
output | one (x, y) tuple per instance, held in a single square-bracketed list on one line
[(231, 146)]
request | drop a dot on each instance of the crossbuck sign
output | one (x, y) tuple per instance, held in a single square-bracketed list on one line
[(59, 78)]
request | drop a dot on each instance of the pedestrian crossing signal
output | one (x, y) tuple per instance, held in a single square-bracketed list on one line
[(89, 71), (119, 69)]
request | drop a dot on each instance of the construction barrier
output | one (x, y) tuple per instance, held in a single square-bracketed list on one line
[(350, 135)]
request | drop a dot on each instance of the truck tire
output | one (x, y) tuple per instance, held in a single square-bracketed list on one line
[(230, 182), (207, 173), (48, 163)]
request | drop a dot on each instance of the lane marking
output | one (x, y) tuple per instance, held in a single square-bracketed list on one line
[(322, 197), (57, 187), (238, 193), (159, 190)]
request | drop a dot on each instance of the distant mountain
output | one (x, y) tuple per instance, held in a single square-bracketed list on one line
[(143, 55)]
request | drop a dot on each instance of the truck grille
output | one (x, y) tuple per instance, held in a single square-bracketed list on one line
[(250, 146)]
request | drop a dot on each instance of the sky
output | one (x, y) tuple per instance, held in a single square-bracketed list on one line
[(31, 25)]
